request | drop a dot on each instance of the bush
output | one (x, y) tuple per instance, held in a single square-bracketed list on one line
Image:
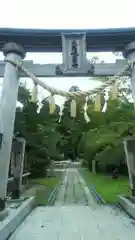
[(85, 164), (110, 158)]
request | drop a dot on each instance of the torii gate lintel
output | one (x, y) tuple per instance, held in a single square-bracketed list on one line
[(74, 63)]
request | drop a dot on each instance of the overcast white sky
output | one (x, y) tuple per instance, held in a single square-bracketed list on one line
[(53, 14)]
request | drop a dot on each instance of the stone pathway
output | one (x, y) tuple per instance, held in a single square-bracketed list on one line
[(75, 223), (71, 191), (70, 218)]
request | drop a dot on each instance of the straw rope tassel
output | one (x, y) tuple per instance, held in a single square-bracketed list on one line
[(51, 104), (61, 112), (34, 93), (86, 117), (73, 108), (97, 103)]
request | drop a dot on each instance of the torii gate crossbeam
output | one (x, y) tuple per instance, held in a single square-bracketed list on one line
[(50, 70), (49, 40)]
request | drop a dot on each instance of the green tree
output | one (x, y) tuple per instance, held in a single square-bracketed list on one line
[(39, 128)]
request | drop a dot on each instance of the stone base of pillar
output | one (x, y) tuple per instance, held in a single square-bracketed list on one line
[(16, 190), (3, 214), (15, 194), (133, 192), (2, 204), (129, 147), (3, 210), (19, 200)]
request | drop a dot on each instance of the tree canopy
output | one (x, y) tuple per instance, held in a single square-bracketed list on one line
[(100, 139)]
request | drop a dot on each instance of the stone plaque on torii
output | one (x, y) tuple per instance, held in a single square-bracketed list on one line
[(74, 53)]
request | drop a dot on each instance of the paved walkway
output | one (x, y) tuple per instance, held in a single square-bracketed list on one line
[(71, 192), (75, 223), (71, 219)]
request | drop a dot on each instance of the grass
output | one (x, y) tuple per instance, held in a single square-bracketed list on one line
[(44, 187), (48, 182), (107, 187)]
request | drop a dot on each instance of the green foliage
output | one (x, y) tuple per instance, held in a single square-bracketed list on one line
[(39, 129), (100, 139), (107, 187), (44, 188), (104, 143)]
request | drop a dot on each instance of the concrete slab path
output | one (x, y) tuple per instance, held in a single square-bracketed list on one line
[(71, 219), (75, 223)]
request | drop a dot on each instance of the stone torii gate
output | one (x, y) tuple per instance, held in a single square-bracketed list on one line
[(74, 45)]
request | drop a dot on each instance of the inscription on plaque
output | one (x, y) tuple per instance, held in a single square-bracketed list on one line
[(74, 54)]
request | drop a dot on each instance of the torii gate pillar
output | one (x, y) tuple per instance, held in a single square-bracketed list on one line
[(129, 142), (129, 53), (8, 100)]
